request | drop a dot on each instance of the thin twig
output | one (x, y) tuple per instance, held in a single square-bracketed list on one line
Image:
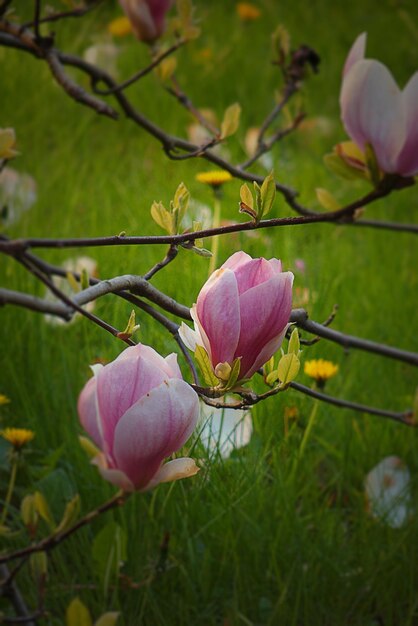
[(49, 543), (141, 73)]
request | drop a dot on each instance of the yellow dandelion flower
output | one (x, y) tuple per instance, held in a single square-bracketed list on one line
[(18, 437), (248, 12), (4, 399), (321, 370), (120, 27), (215, 178)]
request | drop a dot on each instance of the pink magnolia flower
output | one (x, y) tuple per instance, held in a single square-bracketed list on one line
[(138, 410), (242, 311), (375, 111), (147, 17)]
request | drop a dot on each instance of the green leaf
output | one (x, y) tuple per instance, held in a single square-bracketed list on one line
[(38, 565), (43, 509), (288, 368), (109, 551), (268, 193), (272, 377), (71, 512), (107, 619), (162, 217), (58, 488), (77, 614), (281, 42), (202, 252), (326, 199), (28, 513), (230, 121), (205, 366), (181, 199), (196, 227), (258, 201), (131, 327), (294, 343), (234, 375), (246, 196)]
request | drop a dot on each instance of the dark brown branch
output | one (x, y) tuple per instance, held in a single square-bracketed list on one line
[(141, 73), (249, 398), (13, 246), (300, 317), (185, 101), (49, 543), (55, 17)]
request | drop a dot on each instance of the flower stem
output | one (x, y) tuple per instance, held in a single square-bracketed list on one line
[(9, 491), (306, 437), (215, 240)]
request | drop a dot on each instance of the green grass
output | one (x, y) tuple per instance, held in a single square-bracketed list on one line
[(249, 542)]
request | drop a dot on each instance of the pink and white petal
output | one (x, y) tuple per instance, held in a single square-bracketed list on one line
[(114, 476), (267, 352), (217, 310), (88, 412), (357, 52), (153, 428), (276, 265), (253, 273), (119, 385), (407, 161), (176, 469), (189, 337), (372, 111), (167, 364), (265, 311), (236, 260)]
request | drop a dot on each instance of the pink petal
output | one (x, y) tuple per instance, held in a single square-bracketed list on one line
[(174, 470), (88, 411), (265, 311), (276, 265), (114, 476), (407, 161), (267, 352), (371, 109), (153, 428), (255, 272), (237, 259), (119, 385), (168, 364), (217, 309), (356, 53)]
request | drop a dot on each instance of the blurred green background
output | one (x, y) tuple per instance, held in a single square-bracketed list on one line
[(250, 543)]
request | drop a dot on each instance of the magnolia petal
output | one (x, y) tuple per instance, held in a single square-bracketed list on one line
[(218, 313), (276, 265), (176, 469), (267, 352), (225, 430), (265, 311), (120, 384), (167, 364), (153, 428), (87, 410), (236, 260), (407, 161), (114, 476), (356, 53), (388, 493), (189, 337), (253, 273), (372, 111)]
